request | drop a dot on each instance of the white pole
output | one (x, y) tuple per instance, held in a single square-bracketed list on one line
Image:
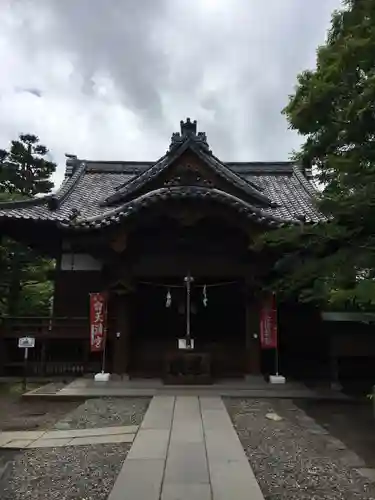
[(105, 332), (188, 281)]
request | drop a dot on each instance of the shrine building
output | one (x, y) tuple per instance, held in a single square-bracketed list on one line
[(141, 233)]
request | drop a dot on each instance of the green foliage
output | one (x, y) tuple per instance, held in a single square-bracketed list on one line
[(25, 169), (333, 107), (24, 285), (26, 289)]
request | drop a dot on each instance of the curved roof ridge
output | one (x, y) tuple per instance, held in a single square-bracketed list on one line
[(149, 173), (66, 187), (305, 183), (232, 176), (236, 174), (116, 214)]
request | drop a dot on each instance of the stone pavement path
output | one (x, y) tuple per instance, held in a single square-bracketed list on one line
[(70, 437), (186, 449), (253, 387)]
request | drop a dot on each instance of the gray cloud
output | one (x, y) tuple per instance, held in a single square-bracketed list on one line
[(116, 77), (35, 92)]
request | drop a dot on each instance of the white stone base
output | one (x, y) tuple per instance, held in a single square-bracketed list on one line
[(102, 377), (277, 379)]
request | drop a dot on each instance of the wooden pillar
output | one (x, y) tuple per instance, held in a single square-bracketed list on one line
[(121, 334), (334, 364), (86, 355), (3, 353), (253, 352)]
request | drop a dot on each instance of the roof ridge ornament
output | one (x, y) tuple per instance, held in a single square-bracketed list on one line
[(188, 128), (188, 131)]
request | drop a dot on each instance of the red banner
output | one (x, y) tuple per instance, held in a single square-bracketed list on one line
[(98, 318), (268, 324)]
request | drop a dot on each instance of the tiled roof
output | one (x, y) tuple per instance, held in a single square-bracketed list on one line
[(160, 166), (97, 194), (285, 185), (187, 192)]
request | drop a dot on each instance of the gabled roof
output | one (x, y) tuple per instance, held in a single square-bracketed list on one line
[(97, 194), (128, 189)]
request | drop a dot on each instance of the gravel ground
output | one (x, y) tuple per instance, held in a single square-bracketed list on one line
[(353, 423), (105, 412), (22, 415), (295, 457), (79, 473), (75, 472)]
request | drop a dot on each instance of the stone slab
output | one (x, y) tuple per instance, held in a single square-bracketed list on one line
[(223, 446), (11, 435), (367, 473), (92, 440), (216, 419), (186, 463), (197, 456), (274, 391), (159, 413), (139, 480), (49, 443), (230, 472), (4, 440), (186, 492), (101, 431), (18, 443), (150, 444), (187, 432), (186, 408), (234, 480), (211, 403)]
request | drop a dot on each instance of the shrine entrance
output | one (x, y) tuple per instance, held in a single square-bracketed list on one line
[(217, 329), (162, 251)]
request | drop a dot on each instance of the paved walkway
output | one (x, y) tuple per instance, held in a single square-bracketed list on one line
[(251, 387), (186, 449), (69, 437)]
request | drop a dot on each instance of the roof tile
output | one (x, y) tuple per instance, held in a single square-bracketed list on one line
[(287, 187)]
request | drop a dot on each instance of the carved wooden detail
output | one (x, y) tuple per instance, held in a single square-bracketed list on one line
[(187, 175), (119, 243), (121, 288), (187, 217)]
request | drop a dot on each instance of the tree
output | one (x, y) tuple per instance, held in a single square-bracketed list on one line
[(25, 169), (24, 172), (333, 107)]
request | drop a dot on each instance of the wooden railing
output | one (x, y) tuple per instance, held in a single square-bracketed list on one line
[(62, 346), (39, 327), (52, 368)]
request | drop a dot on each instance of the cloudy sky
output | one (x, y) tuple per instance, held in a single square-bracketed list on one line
[(111, 79)]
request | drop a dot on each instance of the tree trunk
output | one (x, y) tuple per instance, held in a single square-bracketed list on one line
[(15, 285)]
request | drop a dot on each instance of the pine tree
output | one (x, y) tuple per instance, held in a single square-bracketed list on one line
[(25, 171)]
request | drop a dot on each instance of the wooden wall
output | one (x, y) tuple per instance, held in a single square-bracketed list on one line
[(72, 289)]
